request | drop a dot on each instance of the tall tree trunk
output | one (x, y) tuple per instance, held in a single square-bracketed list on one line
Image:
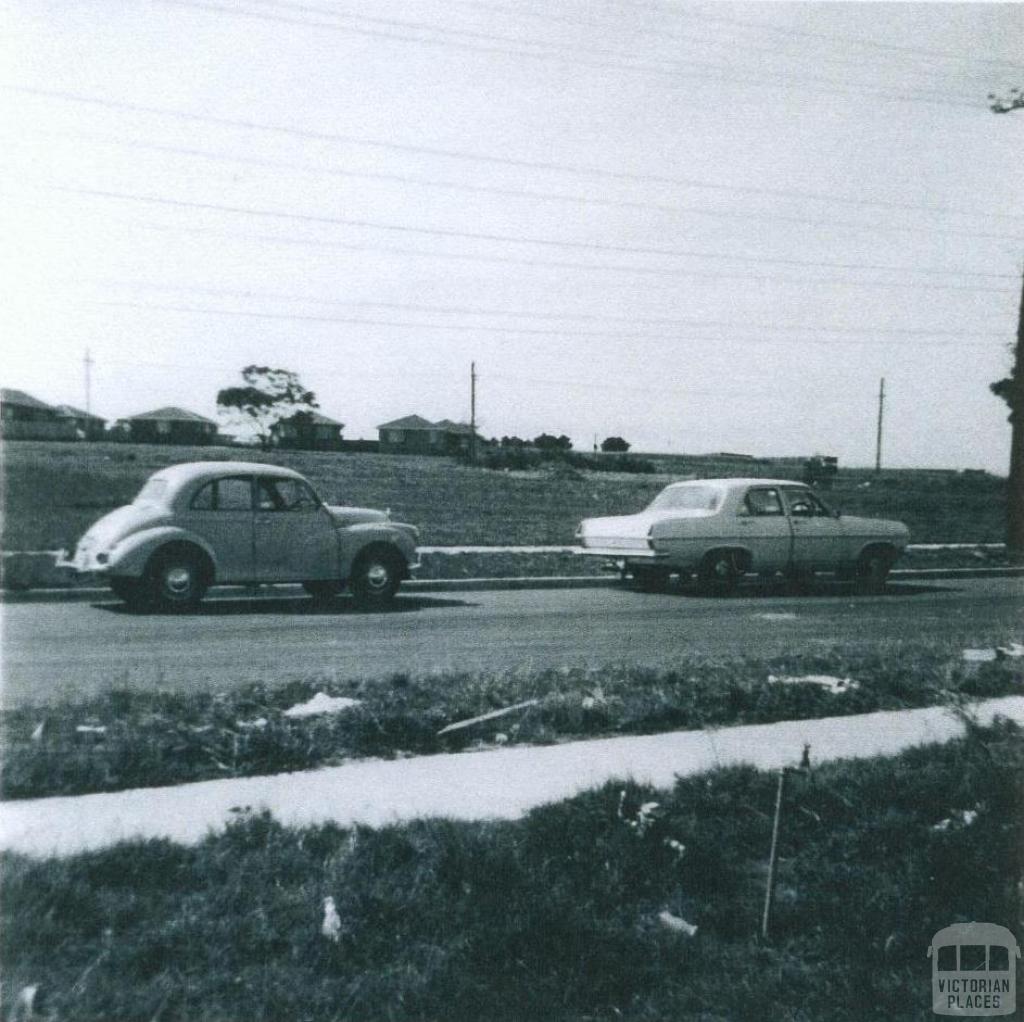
[(1015, 483)]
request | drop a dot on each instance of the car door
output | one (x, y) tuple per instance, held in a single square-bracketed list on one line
[(763, 527), (817, 533), (295, 539), (220, 512)]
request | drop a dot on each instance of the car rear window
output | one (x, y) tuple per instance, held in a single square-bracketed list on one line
[(153, 492), (687, 498)]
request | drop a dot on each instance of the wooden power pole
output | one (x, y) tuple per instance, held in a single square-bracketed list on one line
[(88, 363), (1015, 483), (472, 411), (878, 437)]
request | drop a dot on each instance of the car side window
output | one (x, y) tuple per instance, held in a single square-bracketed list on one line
[(762, 502), (234, 494), (285, 495), (803, 504), (205, 499)]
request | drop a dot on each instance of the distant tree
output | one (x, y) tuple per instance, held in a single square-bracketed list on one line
[(1014, 100), (547, 442), (512, 441), (268, 395), (614, 444)]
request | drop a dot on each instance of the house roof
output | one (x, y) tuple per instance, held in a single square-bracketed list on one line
[(170, 414), (19, 397), (418, 422), (409, 422), (317, 419), (70, 412)]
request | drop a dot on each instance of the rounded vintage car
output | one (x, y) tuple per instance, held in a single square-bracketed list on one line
[(721, 529), (208, 522)]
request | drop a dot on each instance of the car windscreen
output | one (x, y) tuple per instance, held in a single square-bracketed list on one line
[(687, 498), (152, 493)]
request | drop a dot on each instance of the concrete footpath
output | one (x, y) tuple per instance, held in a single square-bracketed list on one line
[(489, 784)]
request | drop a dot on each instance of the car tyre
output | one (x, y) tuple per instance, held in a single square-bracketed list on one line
[(322, 591), (177, 580), (872, 571), (376, 577), (719, 573)]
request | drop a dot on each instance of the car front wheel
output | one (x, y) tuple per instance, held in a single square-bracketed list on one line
[(176, 580), (376, 577), (873, 570)]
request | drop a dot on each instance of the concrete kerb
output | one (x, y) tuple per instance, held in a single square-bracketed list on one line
[(480, 785), (451, 585)]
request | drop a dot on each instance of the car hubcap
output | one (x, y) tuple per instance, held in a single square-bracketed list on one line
[(178, 580), (378, 577), (723, 569)]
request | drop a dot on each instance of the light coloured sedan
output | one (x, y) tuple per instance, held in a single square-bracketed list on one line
[(237, 522), (721, 529)]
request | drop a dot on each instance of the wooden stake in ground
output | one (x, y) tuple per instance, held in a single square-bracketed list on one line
[(769, 893)]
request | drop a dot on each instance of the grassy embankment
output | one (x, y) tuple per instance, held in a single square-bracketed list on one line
[(154, 738), (52, 492), (553, 917)]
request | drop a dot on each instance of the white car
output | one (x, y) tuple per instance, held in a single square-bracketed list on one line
[(721, 529), (238, 522)]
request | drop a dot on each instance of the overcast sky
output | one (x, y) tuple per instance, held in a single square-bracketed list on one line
[(702, 227)]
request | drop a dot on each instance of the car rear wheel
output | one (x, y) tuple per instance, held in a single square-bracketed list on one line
[(322, 591), (375, 577), (177, 580), (873, 569), (719, 573)]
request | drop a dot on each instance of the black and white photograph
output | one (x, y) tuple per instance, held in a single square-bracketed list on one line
[(511, 510)]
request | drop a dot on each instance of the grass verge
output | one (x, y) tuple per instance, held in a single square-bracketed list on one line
[(555, 916), (126, 738)]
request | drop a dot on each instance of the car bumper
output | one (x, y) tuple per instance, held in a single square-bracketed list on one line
[(85, 563), (618, 553)]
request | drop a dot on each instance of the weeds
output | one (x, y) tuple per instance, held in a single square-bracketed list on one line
[(125, 738), (557, 916)]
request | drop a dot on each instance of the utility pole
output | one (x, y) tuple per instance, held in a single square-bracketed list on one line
[(472, 411), (88, 363), (878, 438), (1015, 482)]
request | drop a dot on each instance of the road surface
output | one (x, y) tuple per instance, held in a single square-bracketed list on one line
[(57, 650)]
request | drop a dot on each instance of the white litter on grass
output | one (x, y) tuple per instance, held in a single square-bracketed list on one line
[(777, 616), (963, 818), (676, 924), (331, 926), (91, 729), (1011, 651), (676, 846), (460, 724), (322, 703), (37, 731), (835, 685), (248, 725)]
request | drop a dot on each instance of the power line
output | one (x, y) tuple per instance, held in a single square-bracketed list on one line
[(783, 82), (563, 264), (463, 310), (704, 41), (446, 30), (524, 193), (459, 328), (455, 154), (514, 239)]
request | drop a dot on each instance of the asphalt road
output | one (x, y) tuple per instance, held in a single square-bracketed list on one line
[(56, 650)]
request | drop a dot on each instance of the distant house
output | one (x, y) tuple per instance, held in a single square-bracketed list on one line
[(168, 426), (308, 431), (416, 435), (86, 425), (24, 417)]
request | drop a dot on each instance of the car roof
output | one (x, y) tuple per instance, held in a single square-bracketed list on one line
[(731, 483), (197, 471)]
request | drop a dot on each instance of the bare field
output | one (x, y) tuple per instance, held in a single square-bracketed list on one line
[(52, 492)]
